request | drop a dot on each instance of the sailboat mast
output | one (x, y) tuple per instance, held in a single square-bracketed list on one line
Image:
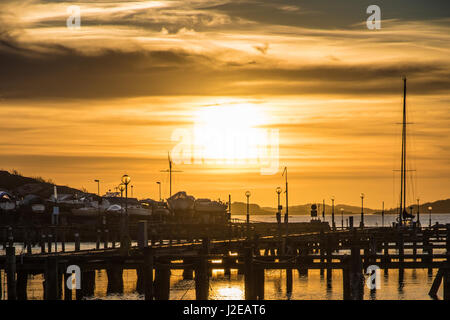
[(403, 164), (170, 176)]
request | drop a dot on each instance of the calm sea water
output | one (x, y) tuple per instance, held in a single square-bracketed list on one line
[(414, 285)]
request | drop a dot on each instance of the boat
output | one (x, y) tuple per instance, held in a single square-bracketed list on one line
[(206, 205), (180, 201), (33, 202), (7, 202)]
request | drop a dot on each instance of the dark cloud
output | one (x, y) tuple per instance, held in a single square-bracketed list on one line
[(60, 72), (331, 14)]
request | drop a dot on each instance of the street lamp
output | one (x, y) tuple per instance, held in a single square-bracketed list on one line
[(333, 224), (98, 193), (132, 190), (429, 210), (126, 180), (159, 183), (418, 213), (121, 188), (361, 224), (342, 218), (278, 191), (248, 194), (98, 186)]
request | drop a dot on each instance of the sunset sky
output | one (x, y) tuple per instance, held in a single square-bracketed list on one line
[(105, 99)]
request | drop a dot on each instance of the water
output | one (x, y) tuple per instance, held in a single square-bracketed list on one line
[(414, 285), (369, 220)]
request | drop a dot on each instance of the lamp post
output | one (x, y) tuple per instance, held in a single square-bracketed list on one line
[(323, 210), (361, 224), (98, 193), (382, 216), (121, 188), (278, 191), (126, 180), (98, 186), (132, 191), (159, 183), (248, 194), (333, 224), (418, 213), (429, 210), (342, 218)]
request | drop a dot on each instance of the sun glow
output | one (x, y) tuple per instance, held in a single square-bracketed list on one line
[(230, 134)]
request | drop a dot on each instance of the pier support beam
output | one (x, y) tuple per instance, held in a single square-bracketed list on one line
[(11, 272), (67, 291), (248, 271), (289, 281), (88, 283), (259, 283), (353, 279), (148, 273), (188, 272), (115, 278), (162, 282), (22, 280), (142, 234), (202, 279), (51, 279)]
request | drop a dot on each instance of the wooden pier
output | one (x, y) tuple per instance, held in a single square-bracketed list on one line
[(350, 250)]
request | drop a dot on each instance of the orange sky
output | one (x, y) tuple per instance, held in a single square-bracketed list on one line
[(105, 99)]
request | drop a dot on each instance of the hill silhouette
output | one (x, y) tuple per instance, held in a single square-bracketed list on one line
[(20, 186)]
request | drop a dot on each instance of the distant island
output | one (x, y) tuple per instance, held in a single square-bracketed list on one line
[(19, 185)]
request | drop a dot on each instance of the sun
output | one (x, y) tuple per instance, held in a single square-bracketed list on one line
[(229, 134)]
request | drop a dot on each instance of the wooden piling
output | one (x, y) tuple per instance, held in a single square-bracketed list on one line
[(188, 271), (353, 279), (49, 240), (67, 291), (88, 283), (115, 278), (77, 241), (106, 239), (248, 274), (63, 241), (97, 243), (436, 283), (11, 272), (446, 280), (148, 273), (162, 281), (386, 256), (42, 243), (301, 261), (10, 237), (226, 265), (22, 280), (142, 234), (51, 279), (322, 250), (446, 277), (201, 275), (289, 281), (329, 259), (259, 282)]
